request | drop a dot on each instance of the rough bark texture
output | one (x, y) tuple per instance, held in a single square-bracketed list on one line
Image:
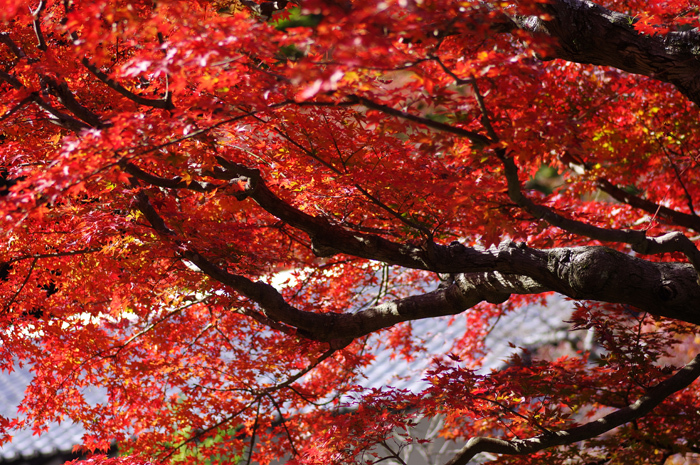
[(588, 33), (586, 273)]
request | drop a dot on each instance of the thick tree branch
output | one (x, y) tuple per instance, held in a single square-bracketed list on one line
[(339, 329), (672, 242), (585, 32), (591, 273), (654, 396)]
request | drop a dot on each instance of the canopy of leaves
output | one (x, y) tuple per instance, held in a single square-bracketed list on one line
[(211, 209)]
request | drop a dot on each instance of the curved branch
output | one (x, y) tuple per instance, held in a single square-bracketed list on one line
[(164, 104), (170, 183), (672, 242), (678, 218), (654, 396), (479, 141), (591, 273), (585, 32)]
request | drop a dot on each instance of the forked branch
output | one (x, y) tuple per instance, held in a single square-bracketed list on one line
[(672, 242), (58, 117), (340, 329)]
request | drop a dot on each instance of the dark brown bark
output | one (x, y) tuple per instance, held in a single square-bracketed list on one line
[(584, 32)]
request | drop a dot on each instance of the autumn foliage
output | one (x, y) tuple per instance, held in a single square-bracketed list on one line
[(217, 212)]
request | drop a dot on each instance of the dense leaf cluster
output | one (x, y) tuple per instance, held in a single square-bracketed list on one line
[(217, 211)]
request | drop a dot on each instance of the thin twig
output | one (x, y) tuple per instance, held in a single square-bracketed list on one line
[(37, 25), (284, 425), (511, 411), (410, 223), (689, 198), (201, 433), (156, 323), (485, 118), (254, 433), (21, 287), (54, 255), (301, 373)]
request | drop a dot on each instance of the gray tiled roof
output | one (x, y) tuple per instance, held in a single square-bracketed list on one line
[(60, 437), (528, 326)]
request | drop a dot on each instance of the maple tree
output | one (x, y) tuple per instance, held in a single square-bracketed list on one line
[(195, 194)]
